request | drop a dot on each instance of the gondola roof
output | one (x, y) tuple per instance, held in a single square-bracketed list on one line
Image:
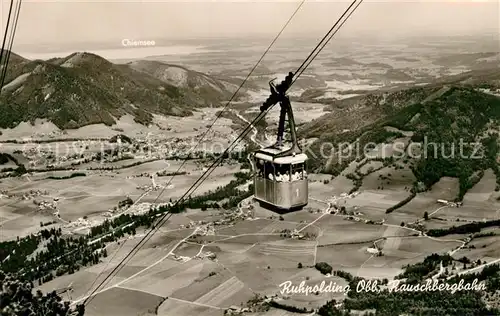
[(292, 159)]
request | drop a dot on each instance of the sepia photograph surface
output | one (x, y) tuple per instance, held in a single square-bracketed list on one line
[(249, 158)]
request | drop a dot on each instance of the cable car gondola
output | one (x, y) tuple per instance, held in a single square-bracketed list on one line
[(280, 178)]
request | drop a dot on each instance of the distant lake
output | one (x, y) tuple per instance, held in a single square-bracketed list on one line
[(123, 53)]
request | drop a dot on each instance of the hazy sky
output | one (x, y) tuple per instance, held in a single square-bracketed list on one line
[(67, 21)]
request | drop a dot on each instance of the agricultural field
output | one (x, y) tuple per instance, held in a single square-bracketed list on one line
[(174, 272), (483, 248), (172, 306), (324, 187), (182, 272), (365, 232), (253, 257), (21, 218), (92, 195), (128, 302)]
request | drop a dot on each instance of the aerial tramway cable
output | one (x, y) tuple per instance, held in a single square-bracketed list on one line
[(263, 114), (315, 52), (146, 238), (329, 38), (11, 42), (5, 52), (167, 215), (235, 93), (222, 156), (203, 136), (326, 36), (6, 30)]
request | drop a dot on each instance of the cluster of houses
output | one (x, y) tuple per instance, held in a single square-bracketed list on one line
[(46, 205), (32, 194)]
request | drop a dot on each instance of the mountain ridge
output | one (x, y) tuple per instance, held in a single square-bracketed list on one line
[(446, 115), (205, 86), (83, 88)]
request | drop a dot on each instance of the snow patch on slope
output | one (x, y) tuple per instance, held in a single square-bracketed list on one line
[(16, 83), (176, 76)]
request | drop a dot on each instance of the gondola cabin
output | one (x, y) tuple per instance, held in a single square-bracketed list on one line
[(280, 179), (280, 182)]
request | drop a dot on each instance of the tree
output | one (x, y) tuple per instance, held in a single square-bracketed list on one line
[(80, 309), (20, 170), (299, 265), (329, 309), (323, 267), (18, 299), (426, 216)]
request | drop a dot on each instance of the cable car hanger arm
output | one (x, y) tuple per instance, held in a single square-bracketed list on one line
[(278, 94)]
